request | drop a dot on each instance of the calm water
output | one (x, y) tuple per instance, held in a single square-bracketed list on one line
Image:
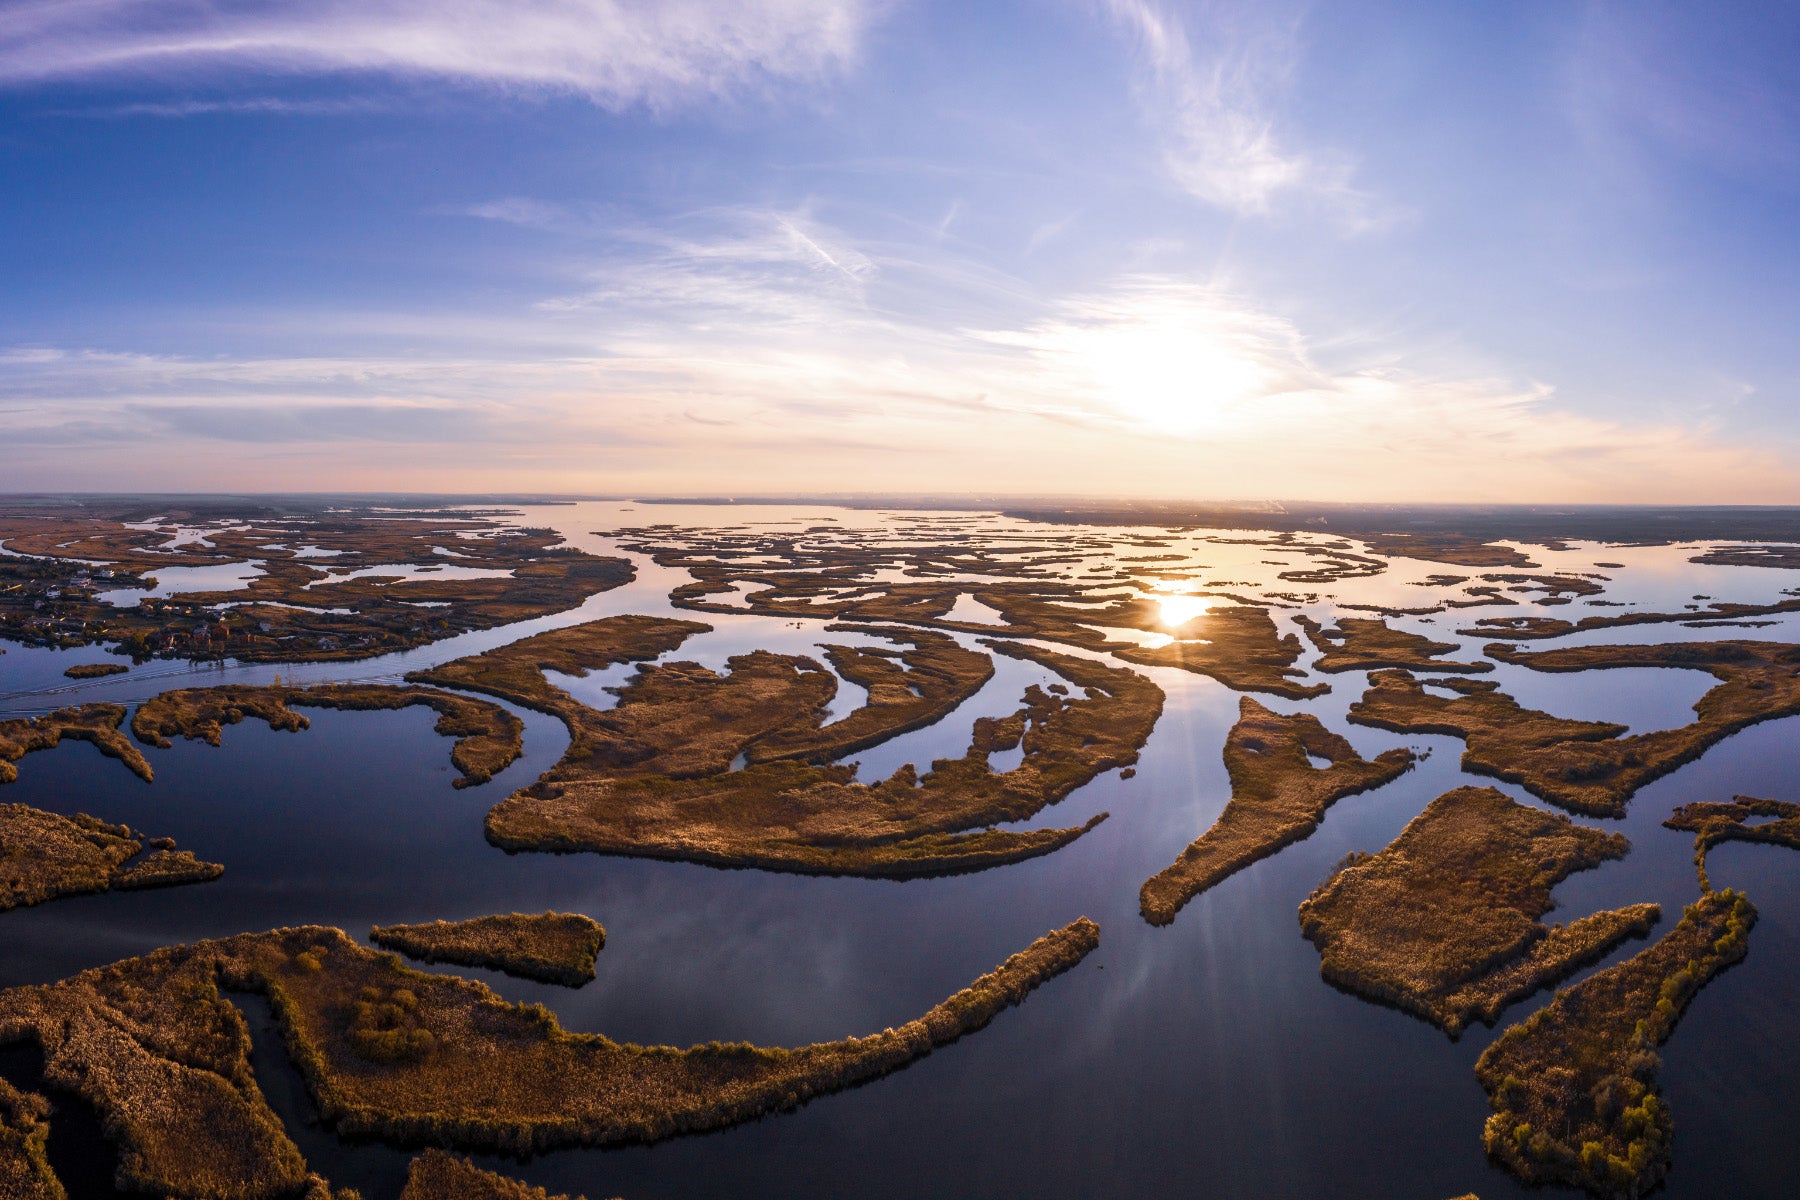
[(1204, 1058)]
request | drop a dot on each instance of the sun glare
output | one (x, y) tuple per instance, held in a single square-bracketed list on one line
[(1171, 380), (1178, 610)]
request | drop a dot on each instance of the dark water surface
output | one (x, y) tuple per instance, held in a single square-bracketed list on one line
[(1207, 1058)]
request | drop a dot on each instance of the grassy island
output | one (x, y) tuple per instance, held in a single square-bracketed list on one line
[(552, 947), (488, 738), (1530, 628), (1712, 823), (1444, 922), (1782, 557), (95, 670), (1758, 681), (1277, 797), (1241, 648), (652, 775), (96, 723), (1462, 550), (1589, 766), (413, 1057), (44, 855), (166, 868), (1370, 644), (435, 1175), (1574, 1085)]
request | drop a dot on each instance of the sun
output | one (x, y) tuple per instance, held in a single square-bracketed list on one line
[(1179, 609), (1172, 381)]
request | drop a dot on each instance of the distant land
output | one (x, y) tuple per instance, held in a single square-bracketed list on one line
[(1512, 522)]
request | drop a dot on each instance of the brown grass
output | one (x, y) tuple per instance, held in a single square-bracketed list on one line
[(435, 1175), (908, 689), (1277, 797), (1574, 1085), (1530, 628), (1461, 550), (504, 1077), (1782, 557), (292, 611), (1444, 922), (95, 670), (165, 1061), (1368, 644), (651, 777), (25, 1172), (1241, 648), (515, 671), (1712, 823), (96, 723), (488, 738), (415, 1057), (1238, 645), (553, 947), (44, 856), (166, 868), (1758, 681), (1590, 766)]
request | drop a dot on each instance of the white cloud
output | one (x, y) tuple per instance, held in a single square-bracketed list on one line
[(1213, 95), (751, 267), (520, 210), (749, 362), (616, 52)]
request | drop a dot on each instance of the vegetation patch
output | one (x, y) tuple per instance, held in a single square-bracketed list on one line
[(44, 855), (1574, 1085), (812, 577), (515, 671), (25, 1172), (488, 738), (1758, 681), (1444, 922), (1782, 557), (296, 605), (95, 670), (1277, 797), (166, 868), (1370, 644), (1241, 648), (413, 1057), (1777, 823), (1461, 550), (96, 723), (552, 947), (1529, 628), (909, 688), (435, 1175), (165, 1061), (1590, 766), (653, 775)]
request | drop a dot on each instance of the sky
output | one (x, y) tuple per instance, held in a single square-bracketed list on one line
[(1539, 251)]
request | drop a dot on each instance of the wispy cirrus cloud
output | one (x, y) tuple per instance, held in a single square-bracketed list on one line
[(617, 53), (1212, 91), (777, 270), (248, 105)]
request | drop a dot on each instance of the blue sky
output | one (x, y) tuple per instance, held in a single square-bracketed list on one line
[(1113, 247)]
